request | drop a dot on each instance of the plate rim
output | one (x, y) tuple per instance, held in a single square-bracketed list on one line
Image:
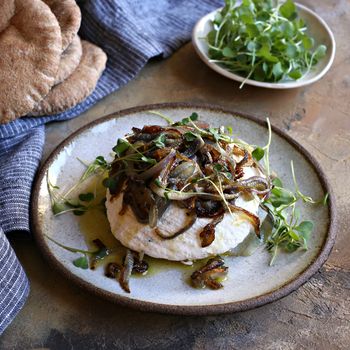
[(213, 309), (268, 85)]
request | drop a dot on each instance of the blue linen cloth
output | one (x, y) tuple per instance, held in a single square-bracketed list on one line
[(130, 32)]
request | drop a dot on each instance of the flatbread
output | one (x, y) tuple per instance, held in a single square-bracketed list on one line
[(69, 60), (30, 50), (79, 85), (7, 11), (69, 17)]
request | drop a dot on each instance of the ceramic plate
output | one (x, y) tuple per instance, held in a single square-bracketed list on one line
[(317, 28), (251, 281)]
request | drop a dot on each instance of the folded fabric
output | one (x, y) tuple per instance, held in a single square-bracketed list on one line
[(130, 32)]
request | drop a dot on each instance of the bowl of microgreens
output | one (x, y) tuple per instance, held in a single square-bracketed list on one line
[(265, 43)]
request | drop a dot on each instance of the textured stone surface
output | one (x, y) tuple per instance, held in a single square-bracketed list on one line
[(59, 315)]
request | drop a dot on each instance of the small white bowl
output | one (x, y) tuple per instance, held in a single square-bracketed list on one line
[(317, 28)]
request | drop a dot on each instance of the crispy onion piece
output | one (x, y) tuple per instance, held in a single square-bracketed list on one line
[(156, 169), (140, 198), (157, 210), (193, 148), (112, 270), (253, 219), (209, 208), (244, 160), (140, 266), (126, 270), (208, 274), (179, 232), (183, 172), (207, 235), (257, 184), (180, 196)]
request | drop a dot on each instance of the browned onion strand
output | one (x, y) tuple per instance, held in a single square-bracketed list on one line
[(207, 235), (126, 270), (253, 219), (208, 274), (180, 231), (156, 169), (192, 164)]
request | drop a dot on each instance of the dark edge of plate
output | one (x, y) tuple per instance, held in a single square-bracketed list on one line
[(214, 309)]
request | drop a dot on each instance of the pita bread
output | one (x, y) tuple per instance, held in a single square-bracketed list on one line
[(68, 15), (30, 50), (7, 11), (69, 60), (79, 85)]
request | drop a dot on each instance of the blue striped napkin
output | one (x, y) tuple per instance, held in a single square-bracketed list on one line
[(130, 32)]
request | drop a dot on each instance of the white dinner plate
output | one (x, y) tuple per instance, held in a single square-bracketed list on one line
[(251, 281)]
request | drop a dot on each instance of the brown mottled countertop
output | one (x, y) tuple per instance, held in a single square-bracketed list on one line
[(59, 315)]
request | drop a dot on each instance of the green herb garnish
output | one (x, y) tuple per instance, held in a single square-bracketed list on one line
[(159, 141), (288, 233), (193, 117), (264, 40), (258, 153), (81, 262)]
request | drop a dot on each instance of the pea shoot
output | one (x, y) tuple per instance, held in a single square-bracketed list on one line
[(264, 40)]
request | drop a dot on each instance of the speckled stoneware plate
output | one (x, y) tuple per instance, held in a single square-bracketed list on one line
[(251, 281), (317, 28)]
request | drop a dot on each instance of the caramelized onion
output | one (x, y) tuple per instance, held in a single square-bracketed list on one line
[(126, 271), (208, 275), (253, 219), (156, 169), (140, 199), (179, 232), (207, 235)]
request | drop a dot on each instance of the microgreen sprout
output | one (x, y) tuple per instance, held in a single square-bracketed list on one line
[(166, 118), (262, 40), (288, 233)]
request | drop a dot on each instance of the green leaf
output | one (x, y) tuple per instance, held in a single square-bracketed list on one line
[(280, 196), (228, 52), (121, 146), (190, 136), (86, 197), (294, 235), (308, 42), (193, 117), (295, 74), (288, 10), (229, 129), (110, 182), (215, 134), (158, 183), (58, 208), (265, 53), (100, 161), (258, 153), (291, 247), (148, 160), (159, 141), (277, 182), (252, 30), (305, 229), (277, 70), (291, 51), (218, 167), (251, 46), (81, 262), (320, 52)]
